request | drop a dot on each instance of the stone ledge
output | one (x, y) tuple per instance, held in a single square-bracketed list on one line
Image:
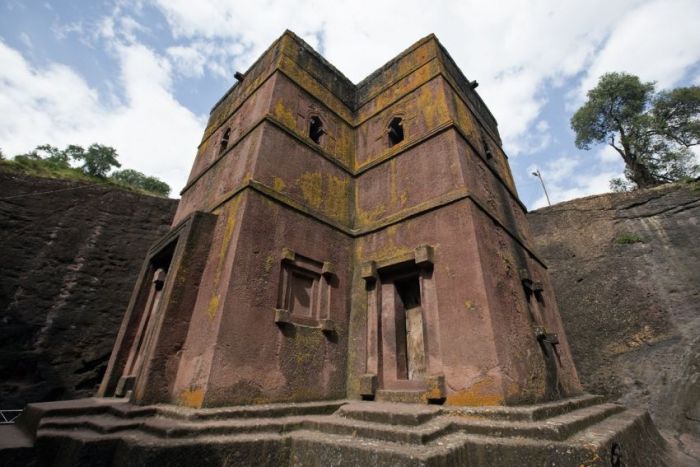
[(344, 433)]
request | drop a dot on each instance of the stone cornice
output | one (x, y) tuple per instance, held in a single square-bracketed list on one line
[(414, 211)]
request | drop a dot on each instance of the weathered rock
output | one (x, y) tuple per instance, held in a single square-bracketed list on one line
[(626, 272), (577, 431), (69, 261)]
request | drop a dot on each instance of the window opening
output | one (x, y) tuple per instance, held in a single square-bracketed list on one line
[(316, 130), (485, 145), (395, 131), (224, 141)]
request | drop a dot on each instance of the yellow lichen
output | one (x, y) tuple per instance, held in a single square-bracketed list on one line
[(310, 184), (213, 306), (484, 392), (278, 184), (367, 217), (269, 262), (285, 115), (192, 398), (231, 213), (336, 205)]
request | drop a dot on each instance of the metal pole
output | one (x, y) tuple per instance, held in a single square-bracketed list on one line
[(539, 175)]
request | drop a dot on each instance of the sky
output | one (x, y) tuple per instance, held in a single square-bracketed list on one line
[(142, 75)]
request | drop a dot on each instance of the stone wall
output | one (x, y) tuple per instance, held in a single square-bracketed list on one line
[(626, 271), (68, 261)]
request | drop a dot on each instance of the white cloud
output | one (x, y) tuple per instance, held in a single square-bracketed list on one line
[(194, 59), (572, 177), (658, 41), (188, 60), (152, 132)]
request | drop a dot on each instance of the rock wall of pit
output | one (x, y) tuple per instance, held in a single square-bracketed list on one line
[(70, 253), (626, 271)]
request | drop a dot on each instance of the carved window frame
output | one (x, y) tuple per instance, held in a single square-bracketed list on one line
[(322, 274)]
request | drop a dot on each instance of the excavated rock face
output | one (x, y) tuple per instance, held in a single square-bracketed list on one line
[(69, 260), (626, 270)]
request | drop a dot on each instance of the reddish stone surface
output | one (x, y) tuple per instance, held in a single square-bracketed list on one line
[(357, 266)]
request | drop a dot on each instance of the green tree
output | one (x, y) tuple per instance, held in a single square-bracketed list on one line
[(53, 156), (653, 133), (156, 186), (136, 179), (98, 160), (45, 156)]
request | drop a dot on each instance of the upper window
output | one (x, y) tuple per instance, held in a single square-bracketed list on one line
[(224, 141), (485, 145), (316, 129), (395, 131)]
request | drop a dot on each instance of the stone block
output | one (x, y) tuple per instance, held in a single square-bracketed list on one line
[(328, 325), (369, 270), (282, 317), (368, 384), (328, 269), (288, 255), (424, 255), (435, 387)]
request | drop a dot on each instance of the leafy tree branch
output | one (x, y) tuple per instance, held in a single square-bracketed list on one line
[(653, 133)]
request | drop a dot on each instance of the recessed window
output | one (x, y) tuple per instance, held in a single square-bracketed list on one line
[(395, 131), (485, 145), (305, 288), (301, 291), (224, 141), (316, 130)]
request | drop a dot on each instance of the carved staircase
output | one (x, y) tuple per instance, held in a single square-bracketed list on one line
[(577, 431)]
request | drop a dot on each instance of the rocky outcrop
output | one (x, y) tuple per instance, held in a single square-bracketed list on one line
[(626, 272), (69, 254)]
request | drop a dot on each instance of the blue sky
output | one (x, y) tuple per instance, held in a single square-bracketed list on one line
[(142, 75)]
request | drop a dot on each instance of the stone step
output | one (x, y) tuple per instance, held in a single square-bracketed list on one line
[(414, 435), (527, 412), (252, 411), (122, 409), (555, 428), (340, 440), (314, 448), (390, 413), (400, 396), (422, 424), (173, 428), (311, 447), (16, 447)]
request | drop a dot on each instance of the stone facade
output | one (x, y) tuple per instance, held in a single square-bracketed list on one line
[(338, 240)]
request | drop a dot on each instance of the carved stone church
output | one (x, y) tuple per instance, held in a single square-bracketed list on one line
[(349, 279)]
